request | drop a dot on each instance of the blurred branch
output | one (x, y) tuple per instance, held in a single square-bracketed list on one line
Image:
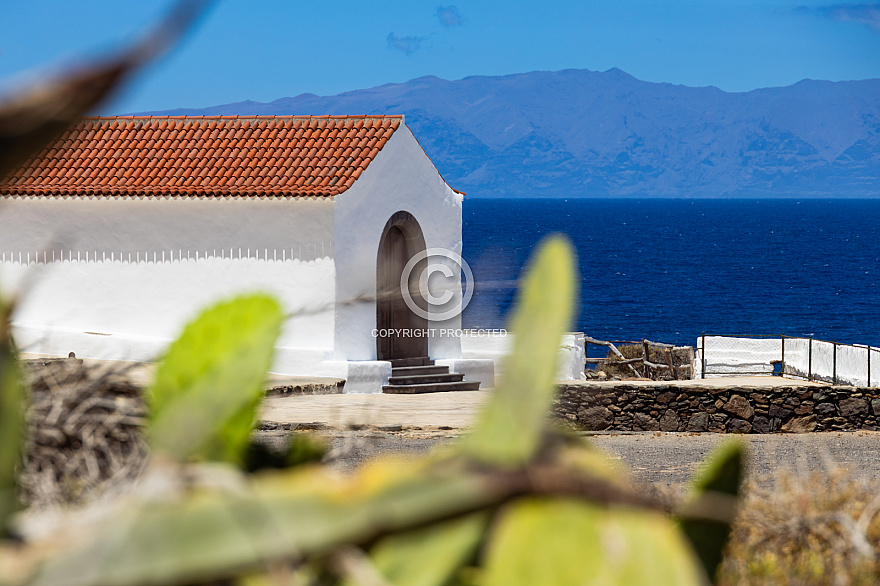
[(34, 116)]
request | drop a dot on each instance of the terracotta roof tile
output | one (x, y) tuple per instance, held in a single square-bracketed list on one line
[(265, 156)]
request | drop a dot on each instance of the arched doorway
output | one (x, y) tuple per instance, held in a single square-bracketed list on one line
[(398, 327)]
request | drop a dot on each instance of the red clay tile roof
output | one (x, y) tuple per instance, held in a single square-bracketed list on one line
[(267, 156)]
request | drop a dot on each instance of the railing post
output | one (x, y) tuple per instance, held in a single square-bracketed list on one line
[(834, 378), (869, 366), (810, 361), (782, 371), (703, 357)]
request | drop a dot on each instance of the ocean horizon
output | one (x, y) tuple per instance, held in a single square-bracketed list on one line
[(669, 270)]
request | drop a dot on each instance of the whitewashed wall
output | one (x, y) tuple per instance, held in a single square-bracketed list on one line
[(400, 178), (797, 356), (852, 362), (731, 356), (119, 277)]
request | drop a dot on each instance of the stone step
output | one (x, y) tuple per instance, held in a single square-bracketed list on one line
[(416, 370), (430, 388), (421, 379), (417, 361)]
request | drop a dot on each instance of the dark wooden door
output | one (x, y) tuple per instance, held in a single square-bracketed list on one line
[(398, 327)]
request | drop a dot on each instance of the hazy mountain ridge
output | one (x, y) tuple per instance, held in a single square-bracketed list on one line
[(579, 133)]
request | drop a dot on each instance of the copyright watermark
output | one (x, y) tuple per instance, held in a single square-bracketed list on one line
[(438, 333), (431, 285)]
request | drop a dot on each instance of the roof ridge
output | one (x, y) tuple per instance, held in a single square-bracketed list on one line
[(219, 156), (248, 117)]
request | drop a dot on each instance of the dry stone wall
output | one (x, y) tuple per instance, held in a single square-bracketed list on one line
[(669, 407)]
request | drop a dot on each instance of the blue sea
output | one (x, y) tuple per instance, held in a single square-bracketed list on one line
[(670, 270)]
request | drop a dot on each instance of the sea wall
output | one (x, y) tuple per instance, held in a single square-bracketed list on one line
[(668, 407), (855, 365)]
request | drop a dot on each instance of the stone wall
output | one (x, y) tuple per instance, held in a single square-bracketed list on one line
[(307, 388), (669, 407)]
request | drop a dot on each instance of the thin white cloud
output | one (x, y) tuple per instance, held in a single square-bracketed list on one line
[(406, 45), (449, 16), (867, 14)]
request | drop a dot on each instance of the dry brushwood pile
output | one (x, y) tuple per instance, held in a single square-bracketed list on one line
[(84, 432)]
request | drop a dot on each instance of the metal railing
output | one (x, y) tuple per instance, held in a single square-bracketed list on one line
[(806, 358)]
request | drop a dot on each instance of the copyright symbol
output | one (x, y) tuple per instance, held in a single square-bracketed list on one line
[(428, 281)]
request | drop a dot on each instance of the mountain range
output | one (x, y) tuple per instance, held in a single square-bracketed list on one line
[(580, 133)]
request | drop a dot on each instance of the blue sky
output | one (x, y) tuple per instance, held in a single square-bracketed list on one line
[(267, 49)]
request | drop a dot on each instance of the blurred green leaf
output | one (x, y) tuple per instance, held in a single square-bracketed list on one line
[(295, 514), (205, 394), (430, 556), (575, 543), (12, 423), (578, 454), (722, 470), (509, 429), (424, 519), (713, 495)]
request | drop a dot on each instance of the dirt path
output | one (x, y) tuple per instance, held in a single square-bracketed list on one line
[(668, 460), (362, 425), (453, 410), (672, 458)]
